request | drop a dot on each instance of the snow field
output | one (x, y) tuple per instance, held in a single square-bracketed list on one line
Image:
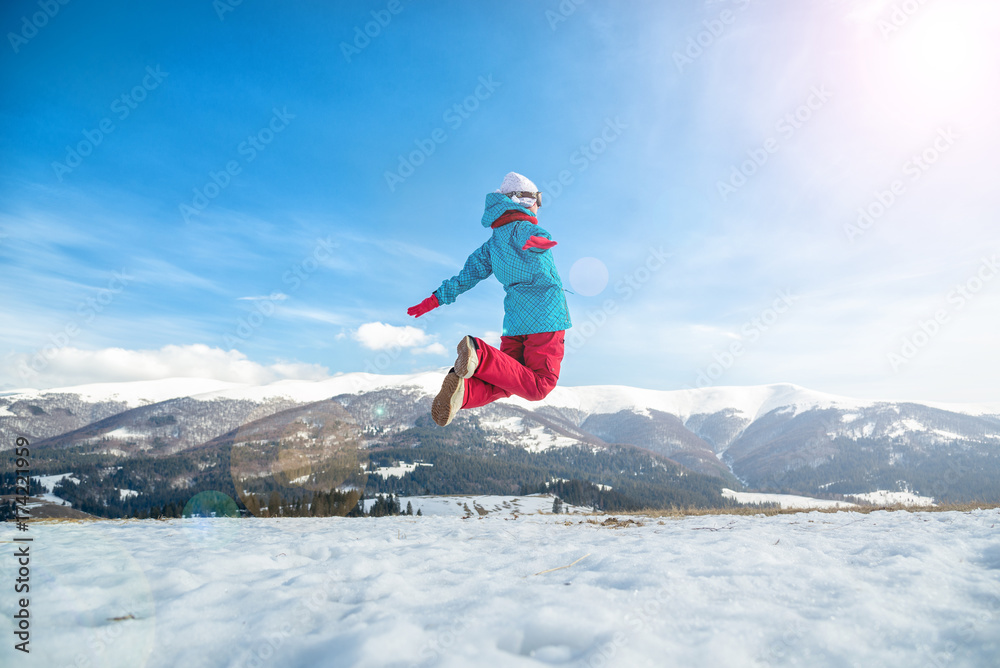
[(885, 497), (397, 471), (48, 483), (509, 506), (783, 500), (533, 439), (844, 589)]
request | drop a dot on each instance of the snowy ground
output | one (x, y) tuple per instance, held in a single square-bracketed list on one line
[(887, 498), (784, 500), (48, 483), (399, 470), (812, 589), (485, 504)]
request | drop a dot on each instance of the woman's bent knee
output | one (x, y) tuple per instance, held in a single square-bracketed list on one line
[(538, 393)]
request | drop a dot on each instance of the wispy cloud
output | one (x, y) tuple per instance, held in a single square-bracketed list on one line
[(274, 297), (160, 272), (314, 314), (400, 249)]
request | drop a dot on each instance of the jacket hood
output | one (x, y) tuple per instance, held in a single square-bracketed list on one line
[(497, 205)]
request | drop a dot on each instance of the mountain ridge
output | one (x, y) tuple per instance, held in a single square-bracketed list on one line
[(775, 438), (752, 400)]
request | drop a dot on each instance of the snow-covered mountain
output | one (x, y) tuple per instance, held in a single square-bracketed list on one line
[(770, 437)]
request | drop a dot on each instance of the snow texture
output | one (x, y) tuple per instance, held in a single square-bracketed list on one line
[(883, 497), (48, 483), (397, 471), (784, 500), (812, 589), (134, 393), (532, 439)]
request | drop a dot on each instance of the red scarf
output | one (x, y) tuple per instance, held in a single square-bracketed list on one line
[(511, 216)]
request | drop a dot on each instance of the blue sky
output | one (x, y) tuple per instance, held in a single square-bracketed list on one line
[(714, 155)]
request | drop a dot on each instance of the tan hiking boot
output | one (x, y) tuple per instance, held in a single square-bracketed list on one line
[(468, 359), (448, 401)]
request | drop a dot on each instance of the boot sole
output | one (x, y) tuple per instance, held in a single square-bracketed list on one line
[(468, 360), (448, 401)]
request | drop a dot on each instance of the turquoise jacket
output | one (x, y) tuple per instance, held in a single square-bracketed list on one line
[(535, 300)]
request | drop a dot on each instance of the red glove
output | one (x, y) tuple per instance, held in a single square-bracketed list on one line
[(428, 304), (538, 242)]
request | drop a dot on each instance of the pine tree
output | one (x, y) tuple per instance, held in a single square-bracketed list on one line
[(409, 508), (273, 504), (557, 505), (253, 504)]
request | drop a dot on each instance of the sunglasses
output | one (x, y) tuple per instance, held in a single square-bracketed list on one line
[(536, 196)]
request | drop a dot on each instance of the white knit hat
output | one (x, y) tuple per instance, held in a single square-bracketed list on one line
[(515, 183)]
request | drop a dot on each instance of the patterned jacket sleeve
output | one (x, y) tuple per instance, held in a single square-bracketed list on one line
[(524, 232), (476, 268)]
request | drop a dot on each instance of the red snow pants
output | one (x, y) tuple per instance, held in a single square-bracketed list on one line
[(526, 366)]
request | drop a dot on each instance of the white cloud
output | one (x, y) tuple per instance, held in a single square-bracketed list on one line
[(73, 366), (492, 338), (380, 336)]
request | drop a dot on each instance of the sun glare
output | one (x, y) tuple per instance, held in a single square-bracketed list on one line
[(935, 60), (945, 49)]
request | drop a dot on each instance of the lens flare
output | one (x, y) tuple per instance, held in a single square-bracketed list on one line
[(301, 461), (588, 276)]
